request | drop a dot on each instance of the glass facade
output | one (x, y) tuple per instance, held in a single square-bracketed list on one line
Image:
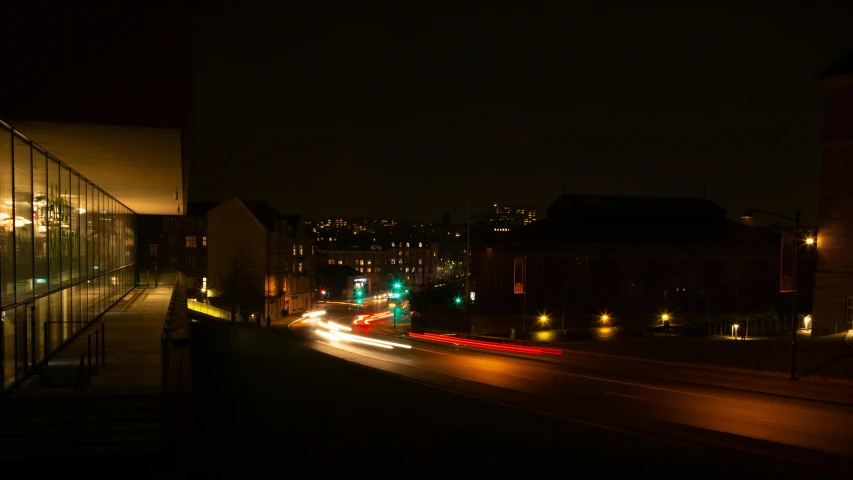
[(66, 254)]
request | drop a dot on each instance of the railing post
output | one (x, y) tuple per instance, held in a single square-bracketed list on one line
[(103, 344), (97, 349), (89, 359), (46, 339)]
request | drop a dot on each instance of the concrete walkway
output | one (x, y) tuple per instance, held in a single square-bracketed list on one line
[(132, 329)]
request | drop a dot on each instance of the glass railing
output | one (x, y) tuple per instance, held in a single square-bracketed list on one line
[(206, 309)]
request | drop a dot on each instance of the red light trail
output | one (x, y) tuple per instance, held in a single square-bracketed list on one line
[(488, 345)]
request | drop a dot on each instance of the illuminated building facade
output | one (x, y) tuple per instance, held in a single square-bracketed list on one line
[(67, 250)]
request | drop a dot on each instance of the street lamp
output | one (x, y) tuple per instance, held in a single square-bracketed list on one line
[(543, 319), (605, 319), (749, 214)]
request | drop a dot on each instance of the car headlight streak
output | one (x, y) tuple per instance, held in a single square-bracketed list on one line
[(333, 332)]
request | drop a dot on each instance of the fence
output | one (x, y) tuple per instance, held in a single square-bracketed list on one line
[(174, 341), (211, 310)]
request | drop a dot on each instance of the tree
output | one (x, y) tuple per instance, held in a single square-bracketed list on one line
[(240, 282)]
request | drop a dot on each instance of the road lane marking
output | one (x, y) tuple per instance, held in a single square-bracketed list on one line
[(622, 395)]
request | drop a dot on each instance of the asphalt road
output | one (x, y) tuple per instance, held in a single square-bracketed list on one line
[(579, 388)]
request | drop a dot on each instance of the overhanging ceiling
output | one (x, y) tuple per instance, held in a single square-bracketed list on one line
[(141, 167)]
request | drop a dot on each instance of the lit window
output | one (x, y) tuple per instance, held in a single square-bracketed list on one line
[(331, 261), (407, 244), (369, 270), (393, 244), (340, 262), (420, 261), (294, 249), (420, 245), (191, 242), (369, 262), (204, 241), (300, 250), (361, 262), (300, 267), (393, 261), (399, 253)]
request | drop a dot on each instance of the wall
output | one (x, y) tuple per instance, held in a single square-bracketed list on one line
[(834, 278), (231, 226)]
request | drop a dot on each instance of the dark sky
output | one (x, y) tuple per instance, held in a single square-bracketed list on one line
[(345, 110)]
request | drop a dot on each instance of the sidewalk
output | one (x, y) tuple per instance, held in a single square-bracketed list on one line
[(132, 330)]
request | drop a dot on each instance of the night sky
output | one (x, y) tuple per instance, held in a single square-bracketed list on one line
[(384, 113)]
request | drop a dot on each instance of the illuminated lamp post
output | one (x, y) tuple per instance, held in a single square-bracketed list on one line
[(748, 215)]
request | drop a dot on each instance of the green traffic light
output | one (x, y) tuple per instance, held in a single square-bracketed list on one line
[(397, 285), (458, 300)]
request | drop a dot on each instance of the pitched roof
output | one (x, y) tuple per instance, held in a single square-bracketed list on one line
[(291, 221), (264, 212), (639, 220)]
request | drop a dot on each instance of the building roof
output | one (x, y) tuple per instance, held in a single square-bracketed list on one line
[(842, 67), (637, 220), (291, 221), (264, 212)]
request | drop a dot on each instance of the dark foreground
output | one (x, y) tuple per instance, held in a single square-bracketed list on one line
[(263, 403)]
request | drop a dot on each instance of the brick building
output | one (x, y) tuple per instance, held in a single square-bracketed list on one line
[(175, 242), (833, 293), (634, 258)]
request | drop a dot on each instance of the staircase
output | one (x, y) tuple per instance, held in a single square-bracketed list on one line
[(91, 425)]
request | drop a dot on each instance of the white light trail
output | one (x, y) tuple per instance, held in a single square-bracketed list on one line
[(378, 343), (340, 336), (333, 326)]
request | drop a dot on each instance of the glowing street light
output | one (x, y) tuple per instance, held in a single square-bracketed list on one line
[(543, 319), (809, 240), (605, 318)]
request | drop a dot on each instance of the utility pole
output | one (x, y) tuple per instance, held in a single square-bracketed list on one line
[(524, 304), (794, 261), (468, 257)]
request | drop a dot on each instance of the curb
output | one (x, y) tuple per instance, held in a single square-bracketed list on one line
[(680, 364), (706, 366)]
